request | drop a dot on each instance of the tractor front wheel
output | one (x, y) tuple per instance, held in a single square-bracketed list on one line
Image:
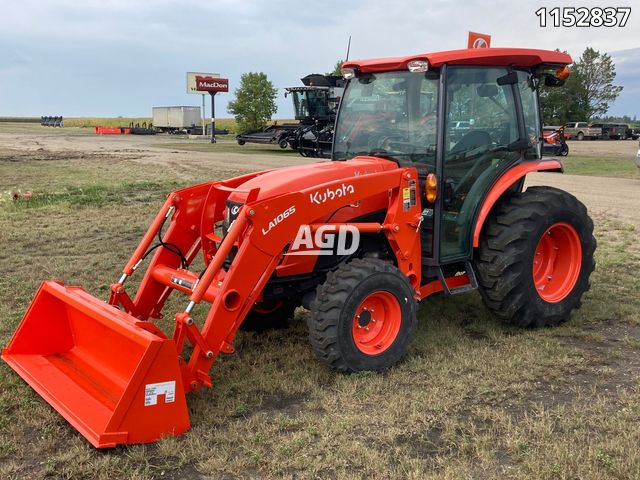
[(535, 257), (363, 316)]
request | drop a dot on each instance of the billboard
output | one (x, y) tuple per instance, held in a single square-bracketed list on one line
[(192, 84), (211, 84)]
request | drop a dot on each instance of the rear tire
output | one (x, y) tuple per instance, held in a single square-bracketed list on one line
[(580, 136), (241, 142), (363, 316), (535, 257)]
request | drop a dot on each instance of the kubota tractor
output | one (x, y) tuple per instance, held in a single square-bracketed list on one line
[(407, 208)]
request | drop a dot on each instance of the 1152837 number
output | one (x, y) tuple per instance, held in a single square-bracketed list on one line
[(583, 16)]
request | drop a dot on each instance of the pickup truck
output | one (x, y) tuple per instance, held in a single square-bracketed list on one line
[(582, 130)]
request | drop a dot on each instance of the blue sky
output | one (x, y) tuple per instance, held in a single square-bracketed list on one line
[(121, 57)]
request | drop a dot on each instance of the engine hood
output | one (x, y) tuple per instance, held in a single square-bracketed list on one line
[(296, 178)]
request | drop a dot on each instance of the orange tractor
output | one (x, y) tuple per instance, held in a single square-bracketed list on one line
[(424, 195)]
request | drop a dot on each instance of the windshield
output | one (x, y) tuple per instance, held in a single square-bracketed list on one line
[(392, 114), (310, 103)]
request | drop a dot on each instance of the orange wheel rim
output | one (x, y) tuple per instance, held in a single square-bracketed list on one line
[(557, 262), (376, 323)]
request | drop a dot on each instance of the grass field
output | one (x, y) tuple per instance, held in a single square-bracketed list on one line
[(473, 398)]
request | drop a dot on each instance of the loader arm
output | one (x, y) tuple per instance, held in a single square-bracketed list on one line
[(261, 240), (113, 373)]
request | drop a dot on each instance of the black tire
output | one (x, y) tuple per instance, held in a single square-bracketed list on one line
[(580, 136), (241, 142), (505, 258), (269, 317), (283, 143), (564, 150), (333, 313)]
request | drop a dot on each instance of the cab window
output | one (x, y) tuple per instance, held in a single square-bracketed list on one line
[(480, 125)]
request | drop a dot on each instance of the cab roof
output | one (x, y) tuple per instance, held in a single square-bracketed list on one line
[(517, 57)]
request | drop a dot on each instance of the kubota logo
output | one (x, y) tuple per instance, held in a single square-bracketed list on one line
[(480, 43), (326, 240), (279, 218), (329, 194)]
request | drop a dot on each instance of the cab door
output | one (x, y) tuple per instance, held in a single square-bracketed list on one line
[(483, 137)]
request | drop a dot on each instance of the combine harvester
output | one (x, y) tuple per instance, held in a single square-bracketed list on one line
[(315, 106), (423, 214)]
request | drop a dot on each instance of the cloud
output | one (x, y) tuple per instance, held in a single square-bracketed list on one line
[(119, 57)]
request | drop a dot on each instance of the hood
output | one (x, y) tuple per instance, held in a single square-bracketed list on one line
[(300, 177)]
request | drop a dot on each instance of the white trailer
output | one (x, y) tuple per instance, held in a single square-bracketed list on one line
[(179, 118)]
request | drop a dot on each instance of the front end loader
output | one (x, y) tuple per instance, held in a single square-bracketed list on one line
[(406, 209)]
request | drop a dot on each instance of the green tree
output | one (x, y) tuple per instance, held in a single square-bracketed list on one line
[(596, 72), (337, 68), (560, 105), (255, 101), (587, 93)]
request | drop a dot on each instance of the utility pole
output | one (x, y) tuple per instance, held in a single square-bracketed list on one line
[(213, 117)]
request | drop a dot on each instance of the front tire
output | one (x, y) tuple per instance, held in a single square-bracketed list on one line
[(363, 316), (535, 257)]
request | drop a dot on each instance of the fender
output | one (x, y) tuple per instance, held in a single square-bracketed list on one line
[(507, 180)]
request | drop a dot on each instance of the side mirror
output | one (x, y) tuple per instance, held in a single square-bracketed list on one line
[(552, 81)]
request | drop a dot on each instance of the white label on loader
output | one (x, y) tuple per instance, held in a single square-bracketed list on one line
[(152, 390)]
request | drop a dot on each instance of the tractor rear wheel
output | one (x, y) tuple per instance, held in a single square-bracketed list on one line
[(535, 257), (363, 316)]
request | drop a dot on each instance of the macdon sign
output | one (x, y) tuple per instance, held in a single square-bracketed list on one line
[(211, 84)]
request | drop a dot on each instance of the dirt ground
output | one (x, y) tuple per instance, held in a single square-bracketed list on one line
[(149, 150), (473, 398), (618, 198)]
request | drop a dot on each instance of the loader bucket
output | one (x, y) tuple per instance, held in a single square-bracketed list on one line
[(113, 381)]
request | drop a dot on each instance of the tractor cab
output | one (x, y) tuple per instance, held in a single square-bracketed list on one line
[(466, 122), (318, 99), (310, 103)]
